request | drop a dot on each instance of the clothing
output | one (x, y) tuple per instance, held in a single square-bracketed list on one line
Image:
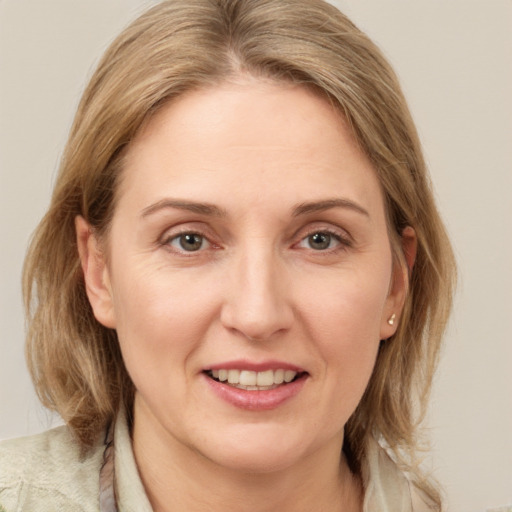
[(46, 473)]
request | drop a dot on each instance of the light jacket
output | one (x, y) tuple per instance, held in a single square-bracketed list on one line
[(46, 473)]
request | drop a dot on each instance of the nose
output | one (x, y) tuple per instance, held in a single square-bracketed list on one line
[(258, 302)]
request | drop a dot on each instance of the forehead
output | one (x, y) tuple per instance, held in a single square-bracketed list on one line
[(248, 110), (255, 141)]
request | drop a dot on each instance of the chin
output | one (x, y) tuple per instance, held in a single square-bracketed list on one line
[(258, 451), (256, 462)]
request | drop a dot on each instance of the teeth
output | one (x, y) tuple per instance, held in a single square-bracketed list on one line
[(234, 376), (289, 375), (247, 378), (265, 378), (279, 376), (250, 380)]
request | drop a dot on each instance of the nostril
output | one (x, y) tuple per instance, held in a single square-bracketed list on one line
[(257, 311)]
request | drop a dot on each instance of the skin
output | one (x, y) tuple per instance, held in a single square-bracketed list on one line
[(258, 288)]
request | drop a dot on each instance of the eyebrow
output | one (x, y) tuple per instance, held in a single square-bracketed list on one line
[(215, 211), (327, 204), (190, 206)]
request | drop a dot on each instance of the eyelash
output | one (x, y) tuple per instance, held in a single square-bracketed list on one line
[(343, 242), (167, 242)]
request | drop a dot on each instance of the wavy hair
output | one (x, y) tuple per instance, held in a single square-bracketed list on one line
[(180, 45)]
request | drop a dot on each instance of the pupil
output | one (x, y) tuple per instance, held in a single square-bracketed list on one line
[(191, 242), (320, 240)]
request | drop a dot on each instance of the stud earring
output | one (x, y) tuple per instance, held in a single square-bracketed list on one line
[(391, 320)]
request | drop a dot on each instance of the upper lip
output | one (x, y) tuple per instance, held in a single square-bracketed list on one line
[(255, 366)]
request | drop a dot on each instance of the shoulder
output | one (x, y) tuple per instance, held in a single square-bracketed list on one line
[(387, 487), (48, 472)]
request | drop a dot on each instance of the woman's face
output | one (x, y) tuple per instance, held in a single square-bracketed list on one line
[(249, 243)]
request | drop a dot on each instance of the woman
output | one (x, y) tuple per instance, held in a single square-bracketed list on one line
[(237, 296)]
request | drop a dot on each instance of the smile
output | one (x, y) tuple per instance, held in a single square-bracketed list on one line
[(252, 380), (255, 386)]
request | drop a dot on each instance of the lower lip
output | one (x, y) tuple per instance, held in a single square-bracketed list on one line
[(264, 400)]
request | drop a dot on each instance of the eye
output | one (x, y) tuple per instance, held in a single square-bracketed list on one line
[(321, 241), (188, 242)]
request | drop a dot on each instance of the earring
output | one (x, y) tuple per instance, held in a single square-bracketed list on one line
[(391, 321)]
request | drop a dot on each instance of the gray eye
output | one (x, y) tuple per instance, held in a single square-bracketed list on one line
[(189, 242), (320, 241)]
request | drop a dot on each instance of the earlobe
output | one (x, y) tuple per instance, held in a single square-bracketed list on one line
[(400, 283), (96, 274)]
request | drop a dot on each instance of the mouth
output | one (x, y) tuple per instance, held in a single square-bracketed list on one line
[(255, 380)]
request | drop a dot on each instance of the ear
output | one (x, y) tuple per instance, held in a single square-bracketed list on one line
[(96, 274), (399, 286)]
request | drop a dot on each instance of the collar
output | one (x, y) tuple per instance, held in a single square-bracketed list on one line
[(120, 484), (386, 487)]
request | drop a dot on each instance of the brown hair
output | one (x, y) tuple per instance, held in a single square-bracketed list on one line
[(180, 45)]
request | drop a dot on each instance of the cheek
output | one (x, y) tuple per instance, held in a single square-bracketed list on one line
[(149, 294), (161, 317), (348, 305), (346, 326)]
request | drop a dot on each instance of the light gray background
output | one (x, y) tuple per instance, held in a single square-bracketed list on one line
[(454, 60)]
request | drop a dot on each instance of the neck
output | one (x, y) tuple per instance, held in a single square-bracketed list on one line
[(177, 477)]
